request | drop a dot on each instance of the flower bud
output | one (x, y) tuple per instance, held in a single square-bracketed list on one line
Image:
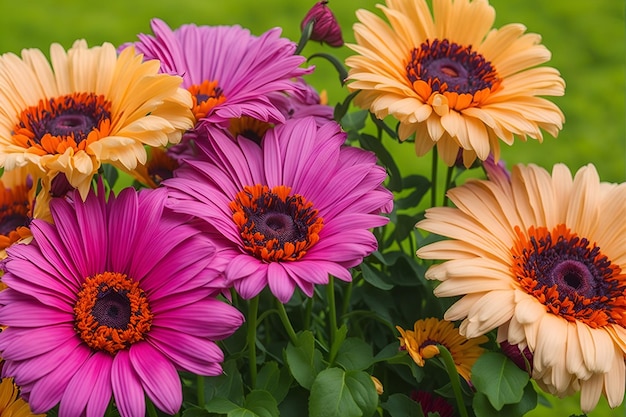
[(325, 27)]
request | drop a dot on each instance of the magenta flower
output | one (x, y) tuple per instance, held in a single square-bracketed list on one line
[(228, 71), (292, 210), (112, 299), (326, 29)]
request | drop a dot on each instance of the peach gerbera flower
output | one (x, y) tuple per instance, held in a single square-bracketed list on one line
[(543, 258), (85, 107), (452, 80)]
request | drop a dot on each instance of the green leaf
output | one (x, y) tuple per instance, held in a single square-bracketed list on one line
[(375, 277), (399, 405), (354, 121), (371, 143), (304, 360), (336, 393), (258, 403), (355, 355), (193, 411), (110, 174), (228, 385), (483, 408), (499, 379), (342, 108), (274, 380)]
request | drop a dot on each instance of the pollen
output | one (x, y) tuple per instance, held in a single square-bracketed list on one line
[(111, 312), (205, 97)]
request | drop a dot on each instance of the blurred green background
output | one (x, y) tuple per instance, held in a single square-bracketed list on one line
[(587, 40)]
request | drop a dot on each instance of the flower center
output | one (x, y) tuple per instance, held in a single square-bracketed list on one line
[(71, 121), (249, 127), (160, 166), (274, 225), (459, 73), (570, 276), (205, 96), (111, 312), (14, 209)]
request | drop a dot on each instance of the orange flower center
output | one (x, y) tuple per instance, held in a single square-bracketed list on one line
[(249, 127), (464, 76), (205, 96), (570, 276), (111, 312), (160, 166), (274, 225), (15, 213), (71, 121)]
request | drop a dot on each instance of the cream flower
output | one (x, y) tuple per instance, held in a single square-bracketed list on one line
[(543, 257), (85, 107), (452, 80)]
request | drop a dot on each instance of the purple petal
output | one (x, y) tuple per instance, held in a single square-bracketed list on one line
[(89, 389), (188, 352), (158, 377), (127, 389), (209, 318)]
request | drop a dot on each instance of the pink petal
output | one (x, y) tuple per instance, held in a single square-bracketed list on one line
[(158, 377), (89, 389), (20, 310), (18, 344), (208, 318), (188, 352), (127, 389), (280, 283)]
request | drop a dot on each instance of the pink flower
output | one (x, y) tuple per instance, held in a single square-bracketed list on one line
[(112, 299), (291, 211), (325, 26), (228, 71)]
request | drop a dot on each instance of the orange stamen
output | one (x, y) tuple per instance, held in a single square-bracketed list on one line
[(205, 97)]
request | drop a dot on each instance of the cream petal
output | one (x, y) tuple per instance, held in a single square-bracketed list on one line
[(527, 309), (551, 342), (583, 211), (590, 391), (490, 311), (460, 309), (615, 381), (574, 361)]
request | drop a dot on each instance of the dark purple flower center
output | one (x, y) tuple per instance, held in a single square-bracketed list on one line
[(449, 67), (68, 118), (112, 308), (571, 276), (10, 222), (274, 225)]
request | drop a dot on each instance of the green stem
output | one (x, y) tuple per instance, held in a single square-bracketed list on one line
[(332, 313), (200, 389), (253, 310), (448, 182), (282, 313), (433, 179), (346, 299), (445, 355), (308, 313)]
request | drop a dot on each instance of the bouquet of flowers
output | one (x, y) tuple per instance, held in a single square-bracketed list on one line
[(190, 229)]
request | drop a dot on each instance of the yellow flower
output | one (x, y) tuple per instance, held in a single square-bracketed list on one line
[(88, 106), (10, 404), (421, 343), (542, 258), (452, 80)]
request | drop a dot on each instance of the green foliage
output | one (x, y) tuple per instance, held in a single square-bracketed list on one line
[(337, 393), (499, 379)]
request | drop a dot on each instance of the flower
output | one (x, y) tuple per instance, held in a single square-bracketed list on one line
[(88, 107), (112, 299), (291, 211), (325, 27), (17, 198), (421, 343), (228, 71), (159, 166), (451, 80), (541, 258), (431, 404), (11, 405)]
